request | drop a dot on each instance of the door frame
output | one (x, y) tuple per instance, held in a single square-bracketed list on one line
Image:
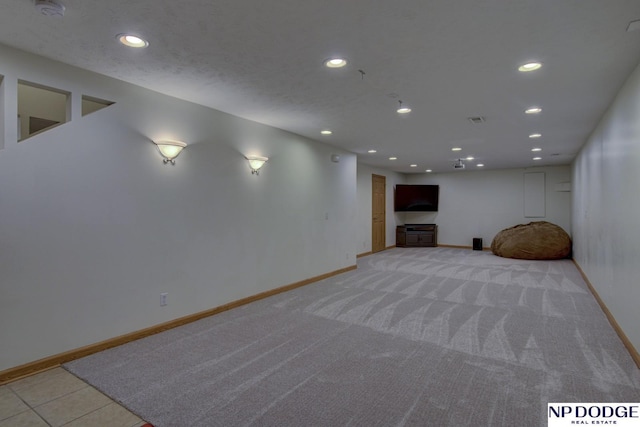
[(378, 178)]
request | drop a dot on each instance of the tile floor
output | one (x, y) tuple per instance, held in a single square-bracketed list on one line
[(57, 398)]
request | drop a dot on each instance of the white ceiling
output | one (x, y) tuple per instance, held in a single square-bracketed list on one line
[(447, 59)]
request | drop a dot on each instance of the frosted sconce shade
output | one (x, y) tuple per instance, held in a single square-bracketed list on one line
[(255, 163), (170, 149)]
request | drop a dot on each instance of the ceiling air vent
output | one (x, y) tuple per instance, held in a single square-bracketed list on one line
[(476, 120)]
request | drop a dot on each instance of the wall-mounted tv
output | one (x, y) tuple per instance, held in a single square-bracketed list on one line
[(416, 198)]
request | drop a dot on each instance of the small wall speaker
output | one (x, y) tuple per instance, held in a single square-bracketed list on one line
[(477, 243), (335, 158)]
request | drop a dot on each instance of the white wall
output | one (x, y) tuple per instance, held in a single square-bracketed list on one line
[(481, 203), (364, 205), (2, 97), (472, 203), (93, 226), (606, 210)]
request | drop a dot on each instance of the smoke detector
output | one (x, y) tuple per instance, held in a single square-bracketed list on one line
[(50, 7), (458, 164)]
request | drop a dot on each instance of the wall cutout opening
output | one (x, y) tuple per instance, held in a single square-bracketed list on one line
[(91, 104), (40, 108)]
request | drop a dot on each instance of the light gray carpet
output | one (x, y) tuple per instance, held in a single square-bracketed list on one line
[(425, 336)]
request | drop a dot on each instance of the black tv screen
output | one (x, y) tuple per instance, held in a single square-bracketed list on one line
[(416, 198)]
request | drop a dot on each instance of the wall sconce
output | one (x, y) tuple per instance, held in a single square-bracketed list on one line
[(169, 149), (255, 163)]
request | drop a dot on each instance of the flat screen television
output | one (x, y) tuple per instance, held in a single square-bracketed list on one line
[(416, 198)]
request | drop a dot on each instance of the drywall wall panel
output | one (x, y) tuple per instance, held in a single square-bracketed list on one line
[(606, 235), (94, 226), (481, 203), (2, 115), (534, 195)]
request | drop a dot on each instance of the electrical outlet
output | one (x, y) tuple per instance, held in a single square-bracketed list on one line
[(163, 299)]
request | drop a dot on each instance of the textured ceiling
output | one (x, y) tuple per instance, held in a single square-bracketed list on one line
[(448, 60)]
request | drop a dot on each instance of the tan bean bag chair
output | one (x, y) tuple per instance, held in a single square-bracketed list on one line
[(536, 240)]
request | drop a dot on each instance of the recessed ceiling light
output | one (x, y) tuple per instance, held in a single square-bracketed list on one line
[(470, 158), (132, 40), (372, 151), (537, 158), (403, 109), (530, 66), (393, 158), (428, 170), (456, 149), (480, 165), (413, 165), (326, 132), (536, 149), (535, 135), (533, 110), (335, 62)]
